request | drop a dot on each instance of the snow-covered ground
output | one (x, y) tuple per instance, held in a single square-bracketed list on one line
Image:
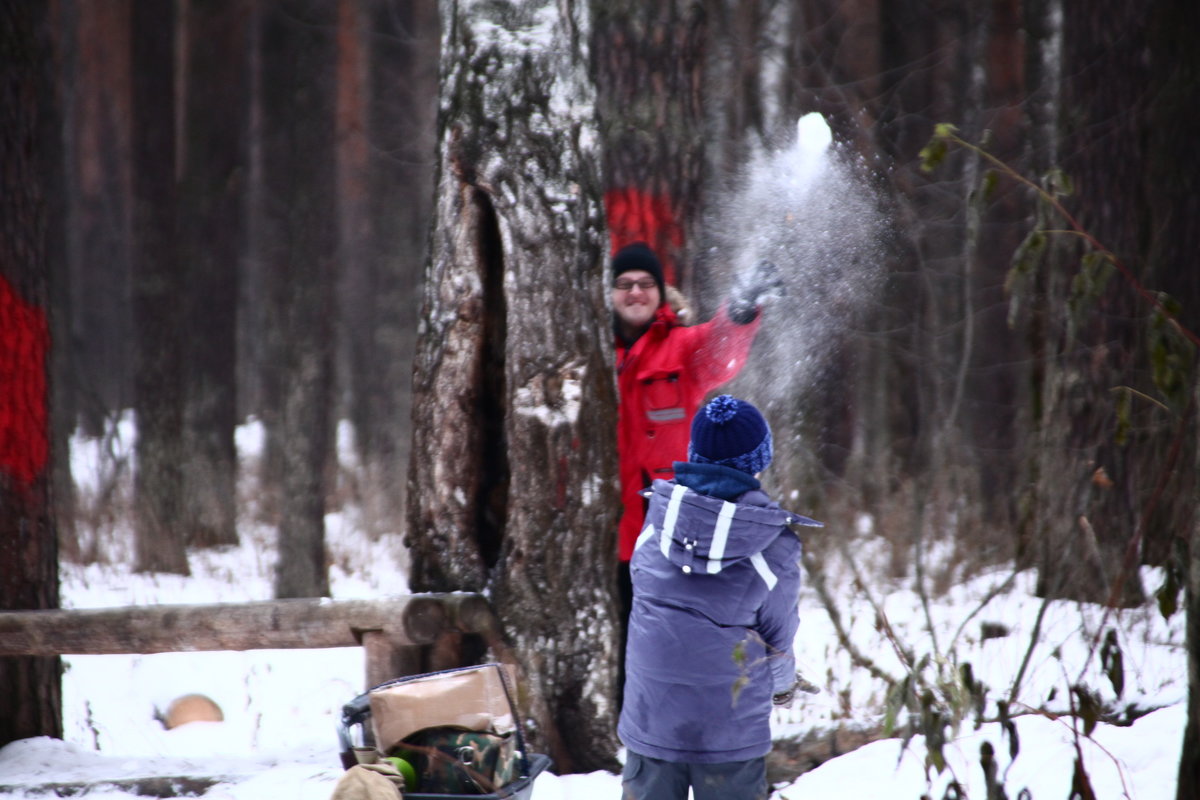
[(278, 738)]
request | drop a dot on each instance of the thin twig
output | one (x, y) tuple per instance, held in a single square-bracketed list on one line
[(1033, 640), (906, 658), (992, 593), (817, 578)]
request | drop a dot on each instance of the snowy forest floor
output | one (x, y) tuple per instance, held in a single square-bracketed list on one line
[(281, 707)]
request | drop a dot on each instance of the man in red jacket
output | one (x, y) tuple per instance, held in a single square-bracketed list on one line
[(664, 371)]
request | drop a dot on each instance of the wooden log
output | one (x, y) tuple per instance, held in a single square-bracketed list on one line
[(276, 624), (471, 613), (386, 659)]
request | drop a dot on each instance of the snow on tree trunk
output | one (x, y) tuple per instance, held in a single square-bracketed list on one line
[(512, 479)]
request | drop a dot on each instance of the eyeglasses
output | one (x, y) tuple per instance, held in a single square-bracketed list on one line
[(645, 284)]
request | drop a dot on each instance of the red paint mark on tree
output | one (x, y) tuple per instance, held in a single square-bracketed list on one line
[(24, 343), (635, 216), (560, 488)]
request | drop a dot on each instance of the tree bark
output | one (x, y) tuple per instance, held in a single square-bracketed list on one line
[(1189, 760), (298, 61), (1173, 172), (30, 690), (400, 86), (1171, 242), (740, 47), (510, 485), (211, 224), (64, 397), (157, 298), (649, 62), (1100, 129), (100, 347)]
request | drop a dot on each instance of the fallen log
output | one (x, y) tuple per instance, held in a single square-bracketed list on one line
[(275, 624)]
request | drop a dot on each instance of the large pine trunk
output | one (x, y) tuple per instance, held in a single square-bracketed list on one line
[(514, 411), (97, 55), (216, 102), (649, 65), (1189, 760), (299, 230), (1090, 485), (393, 169), (30, 692), (1173, 170), (157, 298)]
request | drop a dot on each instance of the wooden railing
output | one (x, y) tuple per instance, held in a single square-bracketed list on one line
[(390, 629)]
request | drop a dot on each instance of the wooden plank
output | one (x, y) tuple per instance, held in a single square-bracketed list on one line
[(283, 624)]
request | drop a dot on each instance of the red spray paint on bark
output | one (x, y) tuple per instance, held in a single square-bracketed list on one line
[(635, 216), (24, 343)]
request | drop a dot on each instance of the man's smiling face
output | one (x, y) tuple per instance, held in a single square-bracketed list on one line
[(635, 299)]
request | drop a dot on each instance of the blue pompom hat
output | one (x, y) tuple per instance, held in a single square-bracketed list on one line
[(732, 433)]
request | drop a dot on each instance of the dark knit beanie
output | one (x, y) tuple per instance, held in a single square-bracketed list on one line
[(639, 256), (732, 433)]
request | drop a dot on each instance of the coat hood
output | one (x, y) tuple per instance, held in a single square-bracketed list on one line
[(697, 532)]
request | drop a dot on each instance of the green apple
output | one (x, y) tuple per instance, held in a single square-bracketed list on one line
[(405, 769)]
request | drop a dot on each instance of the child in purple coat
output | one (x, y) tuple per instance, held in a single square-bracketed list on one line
[(716, 581)]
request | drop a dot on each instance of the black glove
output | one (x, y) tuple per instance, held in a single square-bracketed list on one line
[(801, 684), (752, 288)]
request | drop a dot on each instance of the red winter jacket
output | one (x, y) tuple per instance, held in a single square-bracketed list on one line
[(662, 380)]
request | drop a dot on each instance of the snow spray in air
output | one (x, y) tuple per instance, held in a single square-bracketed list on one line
[(806, 208)]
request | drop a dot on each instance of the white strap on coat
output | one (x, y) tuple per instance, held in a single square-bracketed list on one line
[(764, 570), (716, 551), (646, 534), (671, 517)]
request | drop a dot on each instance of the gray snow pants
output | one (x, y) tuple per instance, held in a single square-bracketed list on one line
[(646, 778)]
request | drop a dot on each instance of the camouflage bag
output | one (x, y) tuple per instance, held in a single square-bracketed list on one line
[(450, 760)]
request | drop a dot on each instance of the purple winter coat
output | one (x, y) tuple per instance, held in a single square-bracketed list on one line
[(715, 608)]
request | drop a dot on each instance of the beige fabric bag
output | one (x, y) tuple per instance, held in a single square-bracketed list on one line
[(368, 782), (474, 699)]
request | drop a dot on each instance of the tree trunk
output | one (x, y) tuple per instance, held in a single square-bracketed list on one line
[(1035, 303), (649, 61), (64, 398), (1173, 173), (510, 486), (157, 297), (401, 121), (30, 690), (298, 60), (1189, 760), (737, 53), (1172, 241), (211, 215), (101, 342), (834, 52), (1095, 499)]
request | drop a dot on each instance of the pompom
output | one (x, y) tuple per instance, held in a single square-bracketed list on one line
[(722, 409)]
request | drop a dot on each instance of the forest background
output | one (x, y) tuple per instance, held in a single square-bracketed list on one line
[(398, 214)]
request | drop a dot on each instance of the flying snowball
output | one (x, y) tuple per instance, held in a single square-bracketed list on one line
[(813, 132)]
